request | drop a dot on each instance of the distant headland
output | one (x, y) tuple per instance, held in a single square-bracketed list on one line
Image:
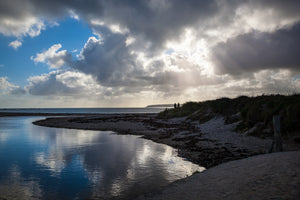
[(160, 106)]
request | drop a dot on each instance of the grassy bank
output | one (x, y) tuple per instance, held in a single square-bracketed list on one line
[(254, 114)]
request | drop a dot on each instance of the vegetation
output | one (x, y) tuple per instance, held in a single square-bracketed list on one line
[(254, 114)]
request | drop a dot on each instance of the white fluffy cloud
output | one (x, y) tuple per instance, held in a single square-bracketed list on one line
[(7, 88), (15, 44), (65, 83), (71, 88), (53, 57), (5, 84), (28, 26)]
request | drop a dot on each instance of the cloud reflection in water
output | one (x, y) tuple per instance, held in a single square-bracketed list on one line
[(93, 164)]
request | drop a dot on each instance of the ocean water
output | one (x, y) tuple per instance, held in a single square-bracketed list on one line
[(86, 110), (52, 163)]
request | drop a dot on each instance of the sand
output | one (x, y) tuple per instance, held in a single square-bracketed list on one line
[(270, 176), (208, 144)]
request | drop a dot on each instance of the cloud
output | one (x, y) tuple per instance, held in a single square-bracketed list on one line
[(149, 24), (277, 81), (53, 57), (116, 65), (155, 23), (65, 83), (74, 15), (5, 84), (109, 61), (152, 22), (17, 91), (8, 88), (264, 82), (28, 26), (246, 16), (187, 49), (15, 44), (257, 51)]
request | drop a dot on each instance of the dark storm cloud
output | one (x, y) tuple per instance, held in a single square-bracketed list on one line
[(17, 9), (154, 21), (151, 22), (257, 51), (109, 61), (287, 8), (157, 21)]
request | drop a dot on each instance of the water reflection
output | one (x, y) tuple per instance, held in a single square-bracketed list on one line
[(16, 187), (70, 164), (3, 137)]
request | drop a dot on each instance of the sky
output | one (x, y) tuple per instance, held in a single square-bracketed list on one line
[(133, 53)]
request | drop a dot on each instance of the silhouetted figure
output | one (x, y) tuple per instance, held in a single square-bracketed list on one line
[(178, 105), (175, 105)]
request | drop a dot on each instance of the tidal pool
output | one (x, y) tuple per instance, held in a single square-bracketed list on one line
[(54, 163)]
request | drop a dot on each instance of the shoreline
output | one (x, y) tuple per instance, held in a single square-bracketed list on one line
[(208, 144), (268, 176), (232, 160), (176, 133)]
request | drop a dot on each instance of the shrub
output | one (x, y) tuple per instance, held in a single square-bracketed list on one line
[(253, 111)]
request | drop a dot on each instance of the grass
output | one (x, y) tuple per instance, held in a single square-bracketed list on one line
[(254, 113)]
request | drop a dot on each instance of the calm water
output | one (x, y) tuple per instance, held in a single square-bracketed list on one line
[(49, 163), (85, 110)]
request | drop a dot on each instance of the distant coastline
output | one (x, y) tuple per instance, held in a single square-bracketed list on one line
[(160, 106), (71, 111)]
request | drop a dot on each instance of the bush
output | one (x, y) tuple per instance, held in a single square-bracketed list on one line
[(253, 111)]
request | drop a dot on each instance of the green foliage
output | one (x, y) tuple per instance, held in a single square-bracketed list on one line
[(254, 112), (261, 109), (220, 106), (186, 109)]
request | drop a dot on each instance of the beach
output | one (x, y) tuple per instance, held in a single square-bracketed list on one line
[(207, 144), (269, 176), (235, 168)]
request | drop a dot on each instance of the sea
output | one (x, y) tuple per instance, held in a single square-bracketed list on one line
[(55, 163), (85, 110)]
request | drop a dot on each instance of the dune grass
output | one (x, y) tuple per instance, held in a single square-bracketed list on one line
[(252, 112)]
